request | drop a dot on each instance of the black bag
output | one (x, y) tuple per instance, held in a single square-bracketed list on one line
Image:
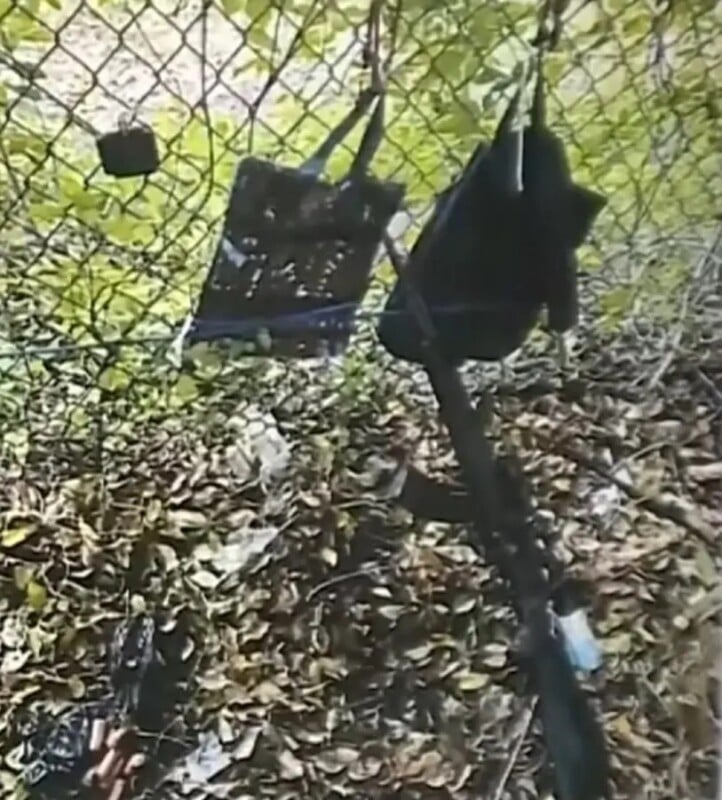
[(296, 252), (498, 248)]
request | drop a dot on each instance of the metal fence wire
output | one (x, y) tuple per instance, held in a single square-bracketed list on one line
[(366, 651)]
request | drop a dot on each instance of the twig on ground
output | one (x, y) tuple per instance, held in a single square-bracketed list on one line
[(347, 576), (667, 507), (524, 726)]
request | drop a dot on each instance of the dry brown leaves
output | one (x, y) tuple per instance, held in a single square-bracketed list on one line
[(348, 651)]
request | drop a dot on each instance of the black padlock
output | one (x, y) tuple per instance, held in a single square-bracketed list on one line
[(129, 151)]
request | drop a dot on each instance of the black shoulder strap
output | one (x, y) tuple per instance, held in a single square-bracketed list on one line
[(369, 143)]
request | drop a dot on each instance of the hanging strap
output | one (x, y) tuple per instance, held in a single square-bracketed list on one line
[(375, 129), (509, 140), (370, 142), (317, 162), (374, 132)]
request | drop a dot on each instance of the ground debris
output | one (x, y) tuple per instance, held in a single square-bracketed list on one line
[(348, 651)]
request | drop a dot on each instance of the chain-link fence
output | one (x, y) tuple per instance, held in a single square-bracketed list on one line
[(126, 468)]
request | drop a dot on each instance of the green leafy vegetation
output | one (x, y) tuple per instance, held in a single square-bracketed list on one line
[(90, 260), (129, 480)]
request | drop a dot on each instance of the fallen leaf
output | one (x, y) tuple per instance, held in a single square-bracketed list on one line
[(36, 595), (620, 643), (334, 761), (291, 767), (364, 769), (186, 519), (705, 472), (472, 681), (419, 653), (205, 579), (329, 556), (390, 611), (13, 661), (168, 557), (12, 537), (76, 687), (267, 692), (495, 655), (463, 606), (705, 567), (246, 747)]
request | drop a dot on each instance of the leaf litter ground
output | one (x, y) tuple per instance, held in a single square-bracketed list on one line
[(345, 650)]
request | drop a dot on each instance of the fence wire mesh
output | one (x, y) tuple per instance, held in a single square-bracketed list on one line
[(127, 470)]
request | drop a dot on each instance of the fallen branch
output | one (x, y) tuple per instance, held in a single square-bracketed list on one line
[(662, 506), (514, 755)]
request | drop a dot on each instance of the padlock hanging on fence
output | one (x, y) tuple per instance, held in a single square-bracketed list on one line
[(129, 152), (296, 252)]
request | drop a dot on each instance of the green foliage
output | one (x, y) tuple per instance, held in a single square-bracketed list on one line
[(128, 256), (19, 23)]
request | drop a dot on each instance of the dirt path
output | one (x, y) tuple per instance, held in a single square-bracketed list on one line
[(105, 62)]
